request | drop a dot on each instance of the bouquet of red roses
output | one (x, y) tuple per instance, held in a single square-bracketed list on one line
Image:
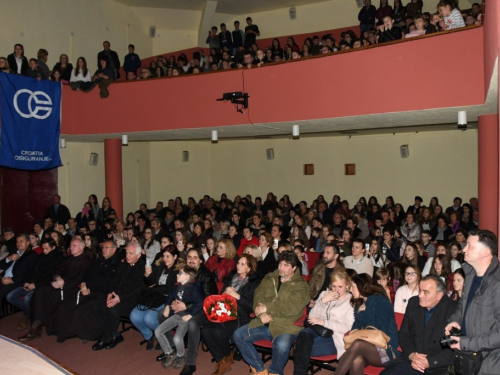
[(220, 308)]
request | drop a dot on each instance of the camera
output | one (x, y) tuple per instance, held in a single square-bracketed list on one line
[(446, 341)]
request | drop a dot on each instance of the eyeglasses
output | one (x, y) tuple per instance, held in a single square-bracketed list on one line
[(410, 273)]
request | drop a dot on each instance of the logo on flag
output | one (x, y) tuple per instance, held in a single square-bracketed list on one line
[(30, 112)]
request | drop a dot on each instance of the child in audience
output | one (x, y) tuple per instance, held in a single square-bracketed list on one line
[(458, 285), (428, 245), (419, 27), (299, 251), (189, 293), (410, 289), (452, 18), (383, 277)]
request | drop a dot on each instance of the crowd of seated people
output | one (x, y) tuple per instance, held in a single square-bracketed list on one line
[(78, 276), (239, 48)]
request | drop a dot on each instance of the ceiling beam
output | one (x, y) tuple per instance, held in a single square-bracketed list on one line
[(206, 22)]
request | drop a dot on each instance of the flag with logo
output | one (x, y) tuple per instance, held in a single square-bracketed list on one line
[(30, 112)]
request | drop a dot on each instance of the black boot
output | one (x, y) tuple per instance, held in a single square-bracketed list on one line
[(301, 353)]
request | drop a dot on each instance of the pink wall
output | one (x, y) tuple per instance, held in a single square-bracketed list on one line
[(491, 39), (414, 75)]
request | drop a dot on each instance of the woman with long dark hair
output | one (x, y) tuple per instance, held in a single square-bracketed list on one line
[(18, 63), (160, 278), (105, 211), (372, 307), (81, 79)]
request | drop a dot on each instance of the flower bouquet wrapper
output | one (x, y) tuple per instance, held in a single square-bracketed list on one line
[(220, 308)]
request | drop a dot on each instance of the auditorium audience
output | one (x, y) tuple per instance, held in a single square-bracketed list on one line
[(92, 303)]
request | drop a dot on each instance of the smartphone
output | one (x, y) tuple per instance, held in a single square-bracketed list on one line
[(203, 246), (179, 243), (367, 247), (276, 243), (148, 263)]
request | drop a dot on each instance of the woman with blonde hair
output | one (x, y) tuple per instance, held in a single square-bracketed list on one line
[(254, 251), (333, 310)]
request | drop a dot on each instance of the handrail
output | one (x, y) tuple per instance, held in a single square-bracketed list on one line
[(274, 63)]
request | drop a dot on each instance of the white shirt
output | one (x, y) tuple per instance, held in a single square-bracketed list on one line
[(80, 76), (363, 265)]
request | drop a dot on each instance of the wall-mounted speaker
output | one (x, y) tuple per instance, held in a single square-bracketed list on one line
[(293, 13), (185, 156), (270, 153), (405, 151), (152, 32), (94, 158)]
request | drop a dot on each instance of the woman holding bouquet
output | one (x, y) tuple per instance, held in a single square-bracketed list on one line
[(241, 285)]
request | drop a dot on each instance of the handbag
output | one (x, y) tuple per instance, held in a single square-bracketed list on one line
[(150, 299), (370, 334), (319, 329), (467, 363)]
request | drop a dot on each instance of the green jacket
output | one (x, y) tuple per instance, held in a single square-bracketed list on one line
[(285, 306)]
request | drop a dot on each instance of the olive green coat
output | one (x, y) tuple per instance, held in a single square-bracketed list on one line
[(284, 307)]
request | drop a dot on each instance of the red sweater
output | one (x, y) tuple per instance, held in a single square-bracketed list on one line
[(244, 242)]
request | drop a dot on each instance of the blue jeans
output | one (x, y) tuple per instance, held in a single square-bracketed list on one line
[(21, 304), (244, 338), (146, 321)]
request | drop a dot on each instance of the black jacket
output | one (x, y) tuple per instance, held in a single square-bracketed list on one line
[(389, 35), (65, 73), (128, 282), (11, 59), (245, 303), (154, 278), (268, 264), (99, 274), (161, 233), (206, 282), (24, 266), (72, 270), (415, 336), (46, 268), (116, 61), (62, 216)]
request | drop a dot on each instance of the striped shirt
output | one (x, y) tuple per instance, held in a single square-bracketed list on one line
[(454, 20)]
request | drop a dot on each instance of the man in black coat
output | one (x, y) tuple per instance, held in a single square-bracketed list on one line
[(421, 331), (114, 61), (121, 299), (75, 316), (18, 266), (47, 298), (58, 212)]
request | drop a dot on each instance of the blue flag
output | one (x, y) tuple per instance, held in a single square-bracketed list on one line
[(31, 122)]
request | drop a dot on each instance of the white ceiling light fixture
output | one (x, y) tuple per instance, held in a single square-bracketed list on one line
[(462, 118)]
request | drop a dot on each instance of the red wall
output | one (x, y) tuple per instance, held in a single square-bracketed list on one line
[(428, 73)]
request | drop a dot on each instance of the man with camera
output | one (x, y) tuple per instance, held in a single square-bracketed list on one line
[(477, 346), (421, 330)]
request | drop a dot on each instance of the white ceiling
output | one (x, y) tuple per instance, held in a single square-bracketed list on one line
[(236, 7), (440, 119)]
